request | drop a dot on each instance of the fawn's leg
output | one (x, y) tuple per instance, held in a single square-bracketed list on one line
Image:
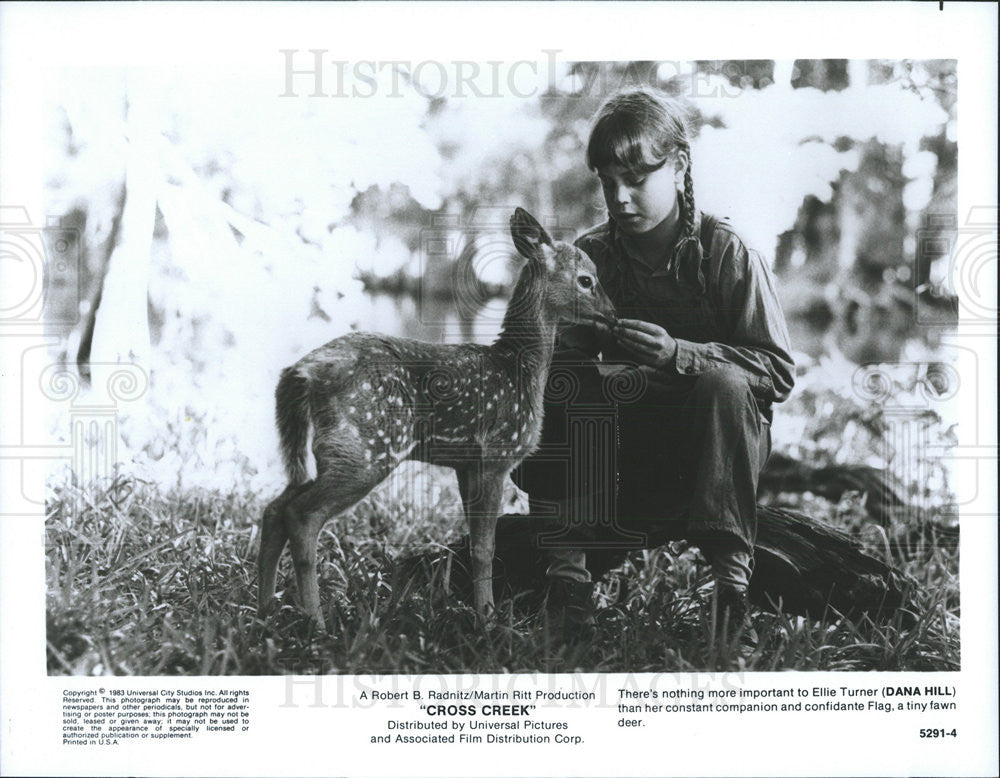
[(316, 503), (481, 487), (273, 537)]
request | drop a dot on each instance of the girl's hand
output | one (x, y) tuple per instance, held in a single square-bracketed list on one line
[(652, 344)]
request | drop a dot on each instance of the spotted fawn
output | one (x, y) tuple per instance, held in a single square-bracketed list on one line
[(374, 401)]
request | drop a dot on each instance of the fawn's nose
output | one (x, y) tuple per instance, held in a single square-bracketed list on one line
[(605, 306)]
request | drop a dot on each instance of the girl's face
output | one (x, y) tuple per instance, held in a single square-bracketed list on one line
[(640, 202)]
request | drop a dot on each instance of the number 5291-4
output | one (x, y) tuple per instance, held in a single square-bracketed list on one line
[(938, 732)]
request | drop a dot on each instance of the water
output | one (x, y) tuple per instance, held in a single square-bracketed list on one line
[(432, 319), (439, 320)]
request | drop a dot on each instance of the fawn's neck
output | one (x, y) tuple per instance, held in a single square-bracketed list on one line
[(528, 334)]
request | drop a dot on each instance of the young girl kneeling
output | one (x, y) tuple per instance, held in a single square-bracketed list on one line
[(702, 347)]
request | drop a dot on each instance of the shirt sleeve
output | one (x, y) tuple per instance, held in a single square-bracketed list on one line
[(758, 341)]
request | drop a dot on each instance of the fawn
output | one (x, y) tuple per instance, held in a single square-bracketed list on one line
[(375, 401)]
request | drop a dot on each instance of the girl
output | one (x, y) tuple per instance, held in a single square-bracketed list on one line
[(702, 349)]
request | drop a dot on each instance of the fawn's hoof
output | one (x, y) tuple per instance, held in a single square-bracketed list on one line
[(486, 616), (267, 606)]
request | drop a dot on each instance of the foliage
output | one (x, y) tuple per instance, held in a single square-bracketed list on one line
[(145, 581), (899, 419)]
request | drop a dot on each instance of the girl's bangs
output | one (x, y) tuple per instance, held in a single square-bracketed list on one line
[(617, 141)]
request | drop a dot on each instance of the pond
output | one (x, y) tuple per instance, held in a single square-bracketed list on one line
[(873, 336)]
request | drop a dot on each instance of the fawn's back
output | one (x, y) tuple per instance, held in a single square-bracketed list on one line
[(376, 400), (383, 400)]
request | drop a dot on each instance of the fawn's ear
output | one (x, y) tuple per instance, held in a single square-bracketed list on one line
[(529, 236)]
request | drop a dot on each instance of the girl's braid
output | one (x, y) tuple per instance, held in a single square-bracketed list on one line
[(689, 209), (690, 239)]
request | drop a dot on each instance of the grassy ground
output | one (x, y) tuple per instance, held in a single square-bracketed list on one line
[(145, 582)]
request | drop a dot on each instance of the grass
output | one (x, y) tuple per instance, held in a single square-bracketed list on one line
[(142, 581)]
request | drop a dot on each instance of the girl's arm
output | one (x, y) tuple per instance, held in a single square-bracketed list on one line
[(742, 295), (748, 305)]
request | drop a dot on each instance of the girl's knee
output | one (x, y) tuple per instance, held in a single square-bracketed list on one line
[(724, 384)]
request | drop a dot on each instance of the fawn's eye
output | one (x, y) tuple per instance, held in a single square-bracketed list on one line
[(585, 282)]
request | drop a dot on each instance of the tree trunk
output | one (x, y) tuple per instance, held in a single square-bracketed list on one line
[(120, 333), (882, 493), (802, 567)]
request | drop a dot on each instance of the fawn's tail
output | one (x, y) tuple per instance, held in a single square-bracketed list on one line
[(292, 416)]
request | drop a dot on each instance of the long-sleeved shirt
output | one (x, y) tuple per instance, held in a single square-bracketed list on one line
[(723, 311)]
